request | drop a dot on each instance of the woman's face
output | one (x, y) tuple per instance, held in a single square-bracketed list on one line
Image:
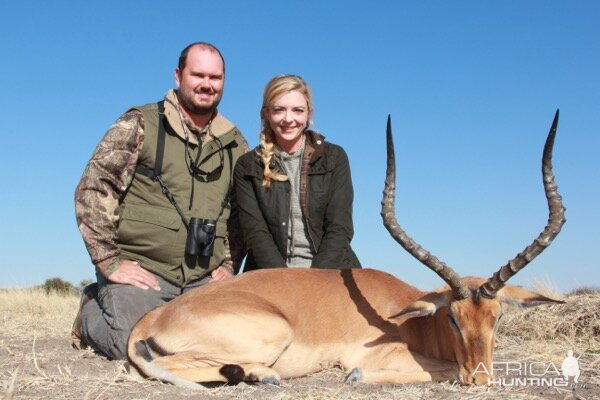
[(288, 117)]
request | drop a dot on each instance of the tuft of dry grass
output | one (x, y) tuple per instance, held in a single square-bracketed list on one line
[(546, 287)]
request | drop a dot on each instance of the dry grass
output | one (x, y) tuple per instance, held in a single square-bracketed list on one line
[(546, 334), (22, 310), (37, 362), (574, 324)]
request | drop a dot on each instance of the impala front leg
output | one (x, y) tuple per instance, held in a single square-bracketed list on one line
[(393, 363), (382, 376)]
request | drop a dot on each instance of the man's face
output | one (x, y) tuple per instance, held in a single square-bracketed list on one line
[(200, 82)]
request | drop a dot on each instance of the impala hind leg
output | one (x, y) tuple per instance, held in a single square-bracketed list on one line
[(188, 367), (230, 373), (212, 349)]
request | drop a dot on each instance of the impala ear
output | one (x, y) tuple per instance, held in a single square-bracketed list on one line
[(426, 305), (523, 298)]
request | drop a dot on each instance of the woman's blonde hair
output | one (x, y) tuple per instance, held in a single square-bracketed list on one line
[(276, 88)]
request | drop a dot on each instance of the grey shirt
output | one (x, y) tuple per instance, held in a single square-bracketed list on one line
[(299, 251)]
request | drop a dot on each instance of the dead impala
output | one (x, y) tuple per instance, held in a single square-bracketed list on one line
[(282, 323)]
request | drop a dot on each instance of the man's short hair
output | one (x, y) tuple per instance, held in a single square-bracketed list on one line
[(202, 45)]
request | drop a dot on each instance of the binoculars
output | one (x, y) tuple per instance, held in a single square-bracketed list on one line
[(200, 237)]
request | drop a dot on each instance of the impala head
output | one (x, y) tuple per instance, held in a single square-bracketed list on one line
[(467, 310)]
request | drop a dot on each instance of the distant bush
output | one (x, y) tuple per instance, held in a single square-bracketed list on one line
[(57, 285), (584, 290), (84, 283)]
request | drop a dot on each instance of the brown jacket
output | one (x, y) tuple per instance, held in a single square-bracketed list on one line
[(326, 197)]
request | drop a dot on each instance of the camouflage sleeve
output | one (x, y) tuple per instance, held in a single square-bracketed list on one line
[(106, 177), (234, 244)]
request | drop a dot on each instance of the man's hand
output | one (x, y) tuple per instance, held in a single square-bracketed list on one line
[(221, 273), (130, 273)]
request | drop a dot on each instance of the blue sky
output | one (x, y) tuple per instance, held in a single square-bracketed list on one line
[(472, 87)]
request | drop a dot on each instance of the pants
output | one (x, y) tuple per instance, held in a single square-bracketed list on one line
[(107, 321)]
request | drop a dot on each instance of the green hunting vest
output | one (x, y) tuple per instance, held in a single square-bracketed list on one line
[(150, 230)]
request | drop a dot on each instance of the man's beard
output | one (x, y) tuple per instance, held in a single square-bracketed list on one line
[(188, 104)]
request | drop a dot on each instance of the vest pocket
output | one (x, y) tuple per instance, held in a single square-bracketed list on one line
[(152, 231), (154, 215)]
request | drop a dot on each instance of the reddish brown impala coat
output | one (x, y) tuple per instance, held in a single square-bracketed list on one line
[(271, 324)]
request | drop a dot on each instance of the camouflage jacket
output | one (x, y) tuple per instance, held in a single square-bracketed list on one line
[(106, 180)]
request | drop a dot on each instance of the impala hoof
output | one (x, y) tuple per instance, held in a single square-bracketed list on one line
[(271, 380), (354, 376)]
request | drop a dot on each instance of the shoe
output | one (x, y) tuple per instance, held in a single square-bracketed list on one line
[(89, 292)]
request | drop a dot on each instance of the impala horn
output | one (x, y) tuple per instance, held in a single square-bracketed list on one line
[(556, 220), (388, 207)]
